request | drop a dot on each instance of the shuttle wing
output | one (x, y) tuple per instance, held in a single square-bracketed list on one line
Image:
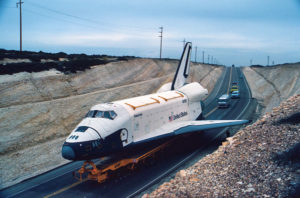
[(182, 127)]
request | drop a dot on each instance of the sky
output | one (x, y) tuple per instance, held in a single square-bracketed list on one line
[(237, 32)]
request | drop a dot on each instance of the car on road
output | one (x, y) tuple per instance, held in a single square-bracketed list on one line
[(235, 94), (223, 101), (234, 88)]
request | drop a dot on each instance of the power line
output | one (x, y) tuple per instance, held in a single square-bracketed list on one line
[(77, 23), (20, 6), (161, 36), (62, 13), (60, 19), (88, 20)]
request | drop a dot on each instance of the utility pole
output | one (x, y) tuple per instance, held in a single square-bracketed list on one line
[(161, 36), (183, 43), (203, 57), (20, 4), (208, 59), (196, 54), (268, 60), (212, 59)]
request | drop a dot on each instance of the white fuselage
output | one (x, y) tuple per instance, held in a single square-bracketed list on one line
[(136, 120)]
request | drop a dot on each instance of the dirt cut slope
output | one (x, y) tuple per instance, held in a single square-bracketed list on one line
[(271, 85), (40, 109)]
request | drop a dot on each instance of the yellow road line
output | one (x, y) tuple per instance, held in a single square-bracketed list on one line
[(227, 93), (84, 180), (66, 188), (211, 112), (229, 80)]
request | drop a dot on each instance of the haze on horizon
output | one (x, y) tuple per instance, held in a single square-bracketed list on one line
[(232, 31)]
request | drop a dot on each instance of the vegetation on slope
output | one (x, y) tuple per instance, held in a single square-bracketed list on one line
[(41, 61)]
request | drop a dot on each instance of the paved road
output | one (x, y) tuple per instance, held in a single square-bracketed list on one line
[(60, 182)]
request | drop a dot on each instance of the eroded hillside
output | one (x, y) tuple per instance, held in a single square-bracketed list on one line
[(271, 85), (38, 110)]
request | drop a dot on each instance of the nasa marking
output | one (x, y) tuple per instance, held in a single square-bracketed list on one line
[(177, 116)]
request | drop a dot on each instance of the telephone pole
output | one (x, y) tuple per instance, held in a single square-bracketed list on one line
[(183, 43), (208, 59), (20, 4), (268, 60), (161, 36), (212, 59), (196, 54), (203, 57)]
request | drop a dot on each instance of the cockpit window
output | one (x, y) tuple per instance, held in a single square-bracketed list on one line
[(81, 129), (106, 115), (90, 114), (113, 114), (101, 114)]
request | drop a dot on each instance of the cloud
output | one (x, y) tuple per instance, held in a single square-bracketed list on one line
[(222, 40), (85, 39), (96, 39)]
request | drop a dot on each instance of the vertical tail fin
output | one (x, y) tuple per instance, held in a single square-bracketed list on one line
[(183, 68)]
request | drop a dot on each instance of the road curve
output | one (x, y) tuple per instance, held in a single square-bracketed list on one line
[(60, 182)]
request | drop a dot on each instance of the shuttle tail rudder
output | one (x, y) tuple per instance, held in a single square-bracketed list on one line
[(183, 68)]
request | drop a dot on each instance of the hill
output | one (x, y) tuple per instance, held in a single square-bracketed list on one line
[(38, 110)]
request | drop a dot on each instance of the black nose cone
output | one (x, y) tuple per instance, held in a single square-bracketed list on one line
[(68, 153)]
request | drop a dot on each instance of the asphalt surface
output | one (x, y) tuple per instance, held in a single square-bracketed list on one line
[(61, 183)]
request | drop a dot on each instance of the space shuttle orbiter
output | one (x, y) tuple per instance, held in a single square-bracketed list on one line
[(116, 126)]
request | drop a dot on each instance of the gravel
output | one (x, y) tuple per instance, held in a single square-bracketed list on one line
[(39, 110), (261, 160)]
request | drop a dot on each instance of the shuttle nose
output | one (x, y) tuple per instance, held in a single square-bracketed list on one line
[(68, 153)]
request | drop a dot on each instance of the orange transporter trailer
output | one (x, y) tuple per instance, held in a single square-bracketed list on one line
[(101, 174)]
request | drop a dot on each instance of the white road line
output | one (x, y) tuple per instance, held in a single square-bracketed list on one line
[(249, 98), (39, 184), (192, 154), (221, 85), (175, 166)]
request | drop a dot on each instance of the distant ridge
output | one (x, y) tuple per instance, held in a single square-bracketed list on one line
[(42, 61)]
